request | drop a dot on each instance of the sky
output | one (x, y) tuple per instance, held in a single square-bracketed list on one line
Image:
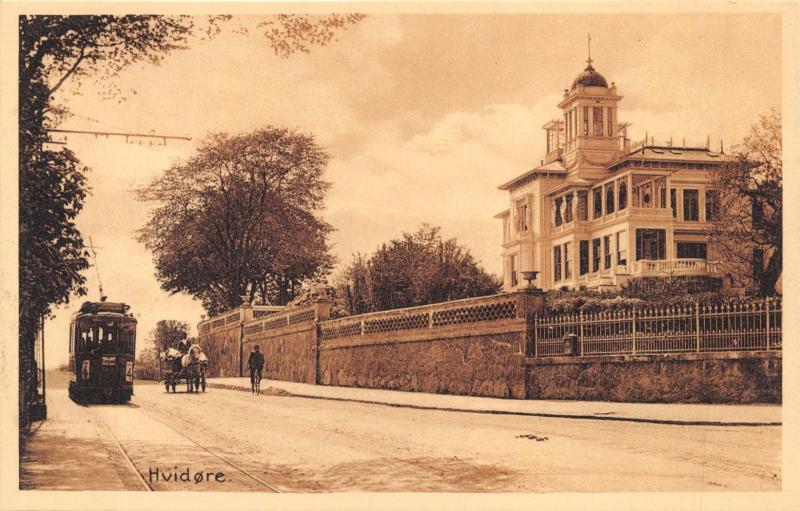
[(423, 115)]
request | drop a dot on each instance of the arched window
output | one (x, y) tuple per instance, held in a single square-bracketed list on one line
[(623, 196), (610, 200), (597, 200)]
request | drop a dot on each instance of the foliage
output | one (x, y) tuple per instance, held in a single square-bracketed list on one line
[(167, 333), (639, 293), (51, 256), (289, 33), (146, 366), (417, 269), (240, 218), (309, 295), (751, 207)]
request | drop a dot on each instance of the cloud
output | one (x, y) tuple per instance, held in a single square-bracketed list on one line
[(447, 176)]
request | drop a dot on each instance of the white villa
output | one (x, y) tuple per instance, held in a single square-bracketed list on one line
[(601, 210)]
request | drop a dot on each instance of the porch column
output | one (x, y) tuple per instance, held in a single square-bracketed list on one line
[(631, 192), (602, 200), (670, 251)]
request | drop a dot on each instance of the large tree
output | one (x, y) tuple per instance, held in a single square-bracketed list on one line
[(748, 229), (417, 269), (241, 217), (168, 332)]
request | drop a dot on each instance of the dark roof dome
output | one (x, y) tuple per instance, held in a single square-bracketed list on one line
[(590, 78)]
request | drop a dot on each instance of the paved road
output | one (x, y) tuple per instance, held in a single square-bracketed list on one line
[(309, 445)]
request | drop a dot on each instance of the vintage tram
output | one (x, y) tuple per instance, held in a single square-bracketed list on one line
[(102, 348)]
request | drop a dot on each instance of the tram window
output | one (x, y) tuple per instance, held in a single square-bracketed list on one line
[(126, 337), (107, 334), (89, 336)]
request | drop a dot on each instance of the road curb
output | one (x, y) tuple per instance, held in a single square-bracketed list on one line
[(670, 422)]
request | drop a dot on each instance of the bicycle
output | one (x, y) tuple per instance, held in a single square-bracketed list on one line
[(255, 381)]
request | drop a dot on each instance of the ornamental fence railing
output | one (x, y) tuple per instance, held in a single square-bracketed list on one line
[(281, 319), (753, 325), (456, 312)]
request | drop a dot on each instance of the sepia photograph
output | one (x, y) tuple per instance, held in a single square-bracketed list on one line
[(484, 253)]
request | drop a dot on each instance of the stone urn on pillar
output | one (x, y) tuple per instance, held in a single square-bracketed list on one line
[(530, 276)]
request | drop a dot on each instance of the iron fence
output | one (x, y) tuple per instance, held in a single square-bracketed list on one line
[(753, 325)]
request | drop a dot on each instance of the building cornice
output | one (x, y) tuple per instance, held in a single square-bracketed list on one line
[(550, 169)]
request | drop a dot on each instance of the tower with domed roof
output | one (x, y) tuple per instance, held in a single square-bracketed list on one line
[(590, 123)]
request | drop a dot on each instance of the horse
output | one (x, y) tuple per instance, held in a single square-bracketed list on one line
[(194, 364)]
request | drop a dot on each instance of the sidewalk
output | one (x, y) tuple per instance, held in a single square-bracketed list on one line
[(71, 450), (658, 413)]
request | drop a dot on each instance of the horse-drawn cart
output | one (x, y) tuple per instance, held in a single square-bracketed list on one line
[(175, 367)]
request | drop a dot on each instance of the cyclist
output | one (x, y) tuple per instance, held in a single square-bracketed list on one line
[(256, 363)]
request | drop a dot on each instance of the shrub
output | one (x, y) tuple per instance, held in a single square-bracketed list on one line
[(645, 292)]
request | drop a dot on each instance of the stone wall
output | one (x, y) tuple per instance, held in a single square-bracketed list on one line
[(290, 352), (467, 363), (474, 347), (471, 347), (222, 349), (744, 377)]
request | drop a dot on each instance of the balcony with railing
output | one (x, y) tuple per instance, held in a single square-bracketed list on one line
[(620, 273), (675, 267)]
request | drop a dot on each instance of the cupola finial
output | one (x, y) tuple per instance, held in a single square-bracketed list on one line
[(589, 60)]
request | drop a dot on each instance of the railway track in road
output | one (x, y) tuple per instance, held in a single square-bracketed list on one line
[(147, 484)]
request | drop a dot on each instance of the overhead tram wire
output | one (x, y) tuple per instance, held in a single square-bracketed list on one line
[(127, 136), (123, 132), (97, 121)]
